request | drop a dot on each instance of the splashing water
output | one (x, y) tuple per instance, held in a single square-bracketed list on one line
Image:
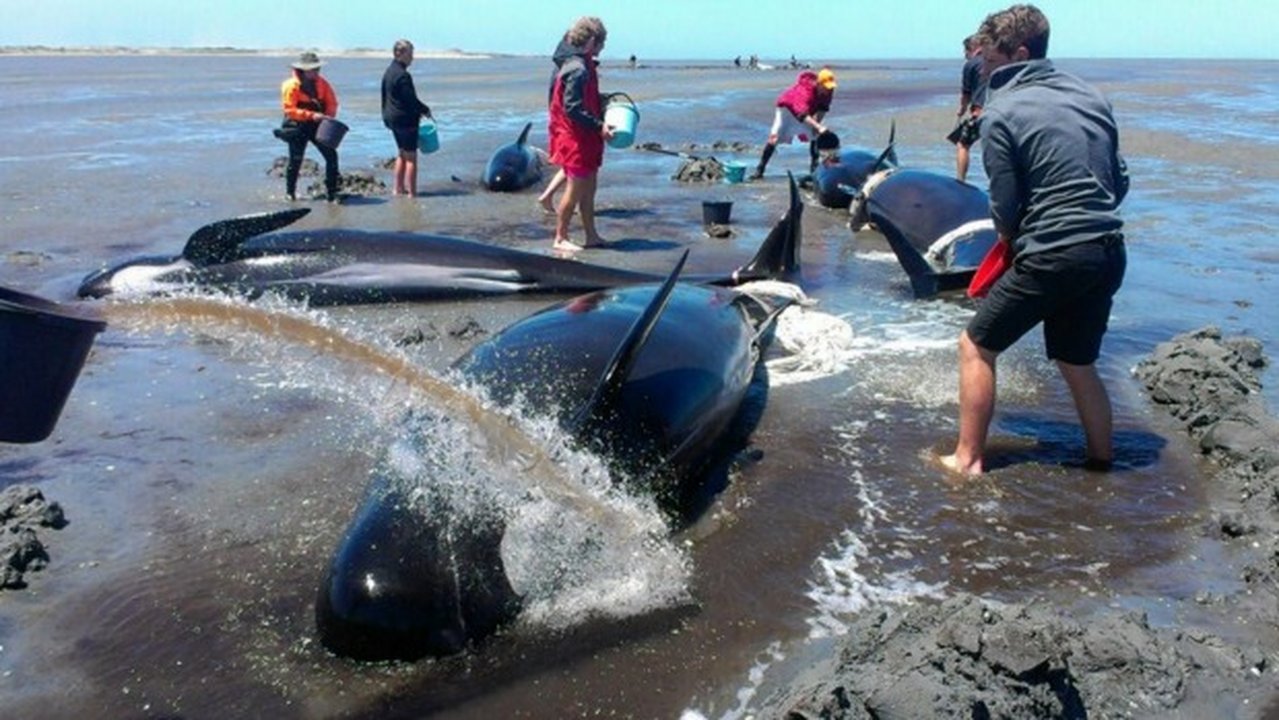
[(576, 546)]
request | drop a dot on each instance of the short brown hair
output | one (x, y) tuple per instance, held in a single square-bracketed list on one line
[(584, 29), (1018, 26)]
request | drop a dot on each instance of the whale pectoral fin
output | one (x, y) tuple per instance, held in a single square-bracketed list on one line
[(623, 361), (218, 242)]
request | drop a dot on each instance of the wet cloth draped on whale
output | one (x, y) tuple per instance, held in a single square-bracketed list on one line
[(648, 377)]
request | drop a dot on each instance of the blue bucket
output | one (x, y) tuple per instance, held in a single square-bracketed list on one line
[(428, 140), (620, 112), (734, 172)]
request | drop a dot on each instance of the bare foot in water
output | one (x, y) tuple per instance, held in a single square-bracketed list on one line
[(565, 245), (596, 241), (548, 205), (952, 464)]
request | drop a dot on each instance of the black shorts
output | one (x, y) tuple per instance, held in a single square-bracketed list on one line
[(1068, 289), (967, 131), (405, 138)]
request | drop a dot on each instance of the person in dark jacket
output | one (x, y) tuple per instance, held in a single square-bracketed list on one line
[(972, 94), (577, 130), (307, 98), (401, 112), (1050, 146)]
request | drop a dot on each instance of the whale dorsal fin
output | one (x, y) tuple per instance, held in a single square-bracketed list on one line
[(524, 135), (623, 360), (219, 242), (778, 256), (888, 158)]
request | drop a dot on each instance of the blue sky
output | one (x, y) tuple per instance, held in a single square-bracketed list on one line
[(671, 29)]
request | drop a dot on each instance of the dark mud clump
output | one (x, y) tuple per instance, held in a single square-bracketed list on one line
[(974, 658), (23, 510), (1212, 386), (971, 658), (361, 183)]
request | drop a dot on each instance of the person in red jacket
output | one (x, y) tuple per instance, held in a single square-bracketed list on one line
[(307, 99), (800, 111), (577, 130)]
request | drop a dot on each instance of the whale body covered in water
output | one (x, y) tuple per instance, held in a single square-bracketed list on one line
[(650, 377)]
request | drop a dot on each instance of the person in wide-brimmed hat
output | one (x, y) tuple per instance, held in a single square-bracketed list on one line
[(307, 99)]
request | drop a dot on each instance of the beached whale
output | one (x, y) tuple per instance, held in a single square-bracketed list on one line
[(839, 175), (339, 267), (938, 227), (513, 166), (649, 377)]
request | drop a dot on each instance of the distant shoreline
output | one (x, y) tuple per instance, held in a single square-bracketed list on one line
[(98, 50)]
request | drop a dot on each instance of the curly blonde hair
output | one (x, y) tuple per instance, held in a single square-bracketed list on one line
[(584, 29)]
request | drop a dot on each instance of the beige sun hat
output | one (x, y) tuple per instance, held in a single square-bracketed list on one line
[(308, 61)]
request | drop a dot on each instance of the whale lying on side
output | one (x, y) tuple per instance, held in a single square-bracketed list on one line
[(247, 256), (842, 174), (513, 166), (938, 227), (650, 377)]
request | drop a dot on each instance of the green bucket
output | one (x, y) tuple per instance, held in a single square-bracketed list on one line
[(621, 114), (428, 140)]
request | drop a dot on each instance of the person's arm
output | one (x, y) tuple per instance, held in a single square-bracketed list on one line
[(328, 98), (999, 155), (289, 92), (406, 92), (574, 79)]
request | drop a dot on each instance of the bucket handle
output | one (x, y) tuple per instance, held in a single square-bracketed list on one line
[(609, 98)]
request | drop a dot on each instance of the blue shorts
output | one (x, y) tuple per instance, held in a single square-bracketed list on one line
[(1069, 289), (405, 138)]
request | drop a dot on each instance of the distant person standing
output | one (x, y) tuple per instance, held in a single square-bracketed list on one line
[(577, 130), (799, 113), (1051, 150), (972, 94), (401, 113), (307, 99)]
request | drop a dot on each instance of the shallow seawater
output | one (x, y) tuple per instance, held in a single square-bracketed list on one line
[(208, 469)]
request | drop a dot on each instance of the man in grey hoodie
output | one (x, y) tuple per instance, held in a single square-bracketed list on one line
[(1051, 150)]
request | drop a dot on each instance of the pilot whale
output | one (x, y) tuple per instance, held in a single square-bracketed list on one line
[(513, 166), (650, 377), (938, 227), (335, 266), (839, 175)]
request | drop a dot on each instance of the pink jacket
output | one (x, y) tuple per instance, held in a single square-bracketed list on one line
[(805, 97)]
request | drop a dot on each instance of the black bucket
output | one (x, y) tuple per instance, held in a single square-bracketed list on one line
[(43, 345), (330, 133), (716, 212)]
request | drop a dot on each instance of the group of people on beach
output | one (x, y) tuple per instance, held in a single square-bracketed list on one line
[(1050, 148)]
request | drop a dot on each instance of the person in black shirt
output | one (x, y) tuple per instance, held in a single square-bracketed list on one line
[(401, 112)]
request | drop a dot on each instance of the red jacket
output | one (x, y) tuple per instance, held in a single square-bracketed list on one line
[(302, 107), (576, 115), (805, 97)]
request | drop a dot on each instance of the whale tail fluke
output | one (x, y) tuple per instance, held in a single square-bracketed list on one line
[(778, 256), (220, 241)]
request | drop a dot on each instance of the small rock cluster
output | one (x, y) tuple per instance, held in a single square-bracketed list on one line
[(23, 509)]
